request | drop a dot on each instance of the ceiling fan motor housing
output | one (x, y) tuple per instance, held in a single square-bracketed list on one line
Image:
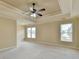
[(33, 4)]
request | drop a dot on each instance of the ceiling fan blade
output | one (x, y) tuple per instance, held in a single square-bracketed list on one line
[(33, 5), (43, 9), (31, 9), (39, 14)]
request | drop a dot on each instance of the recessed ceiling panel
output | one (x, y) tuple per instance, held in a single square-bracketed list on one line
[(52, 6)]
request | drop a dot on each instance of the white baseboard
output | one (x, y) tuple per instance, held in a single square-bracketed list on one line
[(5, 49), (54, 44)]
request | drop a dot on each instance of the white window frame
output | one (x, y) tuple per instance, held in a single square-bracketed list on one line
[(31, 35), (66, 40)]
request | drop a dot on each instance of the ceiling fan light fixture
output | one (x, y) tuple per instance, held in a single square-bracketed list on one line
[(33, 12), (33, 15)]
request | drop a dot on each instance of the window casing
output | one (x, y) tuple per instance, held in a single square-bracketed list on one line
[(31, 32), (66, 32)]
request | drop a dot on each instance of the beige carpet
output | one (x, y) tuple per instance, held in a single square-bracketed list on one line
[(37, 51)]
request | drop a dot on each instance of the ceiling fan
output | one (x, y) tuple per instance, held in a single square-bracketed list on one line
[(34, 12)]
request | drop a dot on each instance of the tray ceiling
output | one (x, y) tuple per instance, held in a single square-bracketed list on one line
[(52, 6)]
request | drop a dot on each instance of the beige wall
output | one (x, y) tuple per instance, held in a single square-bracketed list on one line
[(20, 34), (7, 33), (47, 32), (78, 33), (50, 33)]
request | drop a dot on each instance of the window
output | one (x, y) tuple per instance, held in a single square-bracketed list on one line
[(66, 32), (31, 32)]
